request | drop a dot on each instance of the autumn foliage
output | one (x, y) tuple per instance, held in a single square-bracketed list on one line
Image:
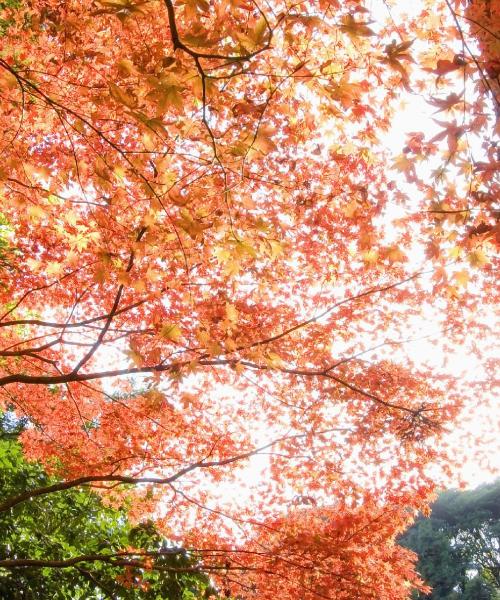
[(214, 264)]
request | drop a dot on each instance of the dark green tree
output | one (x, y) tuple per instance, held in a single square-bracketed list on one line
[(459, 545), (69, 546)]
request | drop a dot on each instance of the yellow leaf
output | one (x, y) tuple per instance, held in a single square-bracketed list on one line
[(126, 67), (223, 255), (53, 268), (71, 258), (263, 142), (33, 264), (79, 126), (36, 172), (121, 96), (7, 80), (402, 163), (238, 149), (123, 278), (203, 336), (149, 141), (168, 95), (135, 357), (259, 31), (139, 285), (119, 173), (462, 277), (100, 274), (246, 41), (71, 218), (239, 368), (232, 268), (231, 313), (171, 332), (150, 218), (350, 209), (452, 291), (230, 344), (478, 258), (344, 91), (155, 398), (273, 360), (214, 348), (243, 248), (355, 28), (348, 149), (54, 200), (276, 248), (35, 212), (370, 257), (454, 252), (152, 275), (394, 254)]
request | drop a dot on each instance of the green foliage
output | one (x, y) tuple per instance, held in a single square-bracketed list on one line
[(5, 22), (6, 252), (72, 523), (459, 545), (439, 564)]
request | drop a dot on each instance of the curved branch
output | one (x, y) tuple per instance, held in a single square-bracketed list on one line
[(124, 479), (330, 309), (55, 325), (179, 44)]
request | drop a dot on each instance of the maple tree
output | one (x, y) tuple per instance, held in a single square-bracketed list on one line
[(97, 544), (211, 273)]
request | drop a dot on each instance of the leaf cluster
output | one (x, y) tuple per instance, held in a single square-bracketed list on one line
[(76, 523)]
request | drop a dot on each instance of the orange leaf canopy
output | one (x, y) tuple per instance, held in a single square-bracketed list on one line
[(211, 276)]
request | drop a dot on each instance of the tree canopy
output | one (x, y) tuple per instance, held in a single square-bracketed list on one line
[(105, 555), (215, 260), (459, 544)]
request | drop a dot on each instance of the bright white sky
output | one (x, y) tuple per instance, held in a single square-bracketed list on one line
[(418, 115)]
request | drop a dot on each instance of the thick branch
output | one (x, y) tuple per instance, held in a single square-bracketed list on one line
[(178, 44), (55, 325), (124, 479)]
